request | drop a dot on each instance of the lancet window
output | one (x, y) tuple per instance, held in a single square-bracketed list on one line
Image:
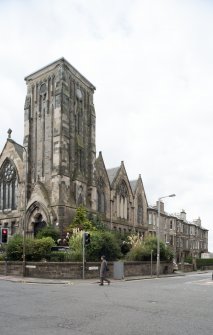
[(8, 186), (101, 201), (122, 200), (140, 210)]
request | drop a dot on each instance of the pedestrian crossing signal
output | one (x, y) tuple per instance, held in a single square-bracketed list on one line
[(4, 235), (86, 238)]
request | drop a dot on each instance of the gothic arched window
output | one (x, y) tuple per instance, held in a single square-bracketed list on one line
[(140, 210), (79, 111), (8, 186), (79, 122), (101, 201), (122, 200)]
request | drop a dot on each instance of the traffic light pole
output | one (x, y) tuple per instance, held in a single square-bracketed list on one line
[(85, 241)]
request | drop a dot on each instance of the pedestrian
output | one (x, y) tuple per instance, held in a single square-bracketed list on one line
[(103, 271)]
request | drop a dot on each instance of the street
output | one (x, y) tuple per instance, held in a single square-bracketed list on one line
[(171, 305)]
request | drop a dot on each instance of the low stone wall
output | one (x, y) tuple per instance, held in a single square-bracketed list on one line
[(207, 267), (54, 270), (74, 270), (144, 268), (186, 267), (11, 268)]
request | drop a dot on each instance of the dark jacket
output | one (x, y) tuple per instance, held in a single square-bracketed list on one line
[(103, 268)]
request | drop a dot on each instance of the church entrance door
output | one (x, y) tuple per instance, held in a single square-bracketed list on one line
[(38, 224)]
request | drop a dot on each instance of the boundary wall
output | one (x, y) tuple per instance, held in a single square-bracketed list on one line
[(74, 270)]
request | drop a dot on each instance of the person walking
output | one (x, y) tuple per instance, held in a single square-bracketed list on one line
[(103, 271)]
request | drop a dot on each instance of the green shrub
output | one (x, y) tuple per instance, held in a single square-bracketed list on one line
[(135, 254), (74, 256), (103, 243), (123, 242), (48, 231), (188, 260), (15, 248), (201, 262), (2, 252), (38, 249), (142, 251), (56, 256), (35, 249), (75, 253), (97, 222)]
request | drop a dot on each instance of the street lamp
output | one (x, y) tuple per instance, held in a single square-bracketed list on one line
[(158, 232)]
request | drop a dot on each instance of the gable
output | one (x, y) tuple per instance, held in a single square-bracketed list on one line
[(139, 189), (13, 152), (100, 171), (121, 181)]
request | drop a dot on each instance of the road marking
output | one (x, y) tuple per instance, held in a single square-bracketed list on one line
[(207, 283), (201, 282)]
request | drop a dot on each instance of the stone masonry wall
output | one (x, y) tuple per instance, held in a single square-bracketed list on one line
[(73, 270)]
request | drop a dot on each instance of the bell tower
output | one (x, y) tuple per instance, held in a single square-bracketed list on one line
[(59, 137)]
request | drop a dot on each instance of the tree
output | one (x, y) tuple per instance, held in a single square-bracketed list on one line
[(81, 221), (103, 243), (97, 222)]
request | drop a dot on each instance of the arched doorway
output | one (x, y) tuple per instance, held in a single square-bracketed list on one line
[(38, 216), (38, 224)]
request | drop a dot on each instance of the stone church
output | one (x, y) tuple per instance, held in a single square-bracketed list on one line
[(56, 170)]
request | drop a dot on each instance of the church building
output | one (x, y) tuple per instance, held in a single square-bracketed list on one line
[(56, 169)]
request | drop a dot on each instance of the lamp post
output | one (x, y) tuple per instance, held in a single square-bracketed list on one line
[(151, 261), (158, 233), (24, 218)]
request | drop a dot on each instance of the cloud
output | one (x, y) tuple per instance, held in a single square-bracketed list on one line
[(151, 62)]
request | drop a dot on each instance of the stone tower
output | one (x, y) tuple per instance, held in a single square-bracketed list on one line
[(59, 138)]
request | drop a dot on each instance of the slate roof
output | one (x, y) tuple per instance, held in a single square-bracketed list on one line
[(112, 174), (133, 184), (19, 148)]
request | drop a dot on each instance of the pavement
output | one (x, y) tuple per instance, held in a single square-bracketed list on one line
[(31, 280)]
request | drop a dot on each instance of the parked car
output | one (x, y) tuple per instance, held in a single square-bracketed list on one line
[(60, 248), (175, 266)]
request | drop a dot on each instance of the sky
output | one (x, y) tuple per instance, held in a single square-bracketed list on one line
[(151, 62)]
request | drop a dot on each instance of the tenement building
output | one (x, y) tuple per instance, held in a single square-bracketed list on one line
[(56, 170), (186, 239)]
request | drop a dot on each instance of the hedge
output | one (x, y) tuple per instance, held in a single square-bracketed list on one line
[(35, 249), (201, 262)]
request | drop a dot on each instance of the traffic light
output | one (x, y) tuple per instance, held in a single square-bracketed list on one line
[(4, 235), (86, 238)]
